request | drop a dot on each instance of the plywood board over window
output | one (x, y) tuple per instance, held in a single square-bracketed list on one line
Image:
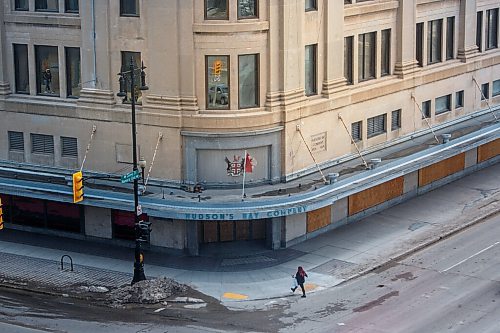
[(488, 150), (441, 169), (375, 195), (319, 218)]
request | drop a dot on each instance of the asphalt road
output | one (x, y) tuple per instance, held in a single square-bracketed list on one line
[(453, 286)]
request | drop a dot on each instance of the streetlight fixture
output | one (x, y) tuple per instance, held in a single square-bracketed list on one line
[(130, 75), (142, 165)]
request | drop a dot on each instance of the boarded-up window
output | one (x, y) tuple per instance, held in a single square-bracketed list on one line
[(441, 169), (319, 218), (375, 195), (488, 150)]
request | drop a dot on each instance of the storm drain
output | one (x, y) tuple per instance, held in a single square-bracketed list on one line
[(246, 260)]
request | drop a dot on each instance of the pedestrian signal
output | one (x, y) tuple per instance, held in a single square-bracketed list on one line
[(217, 67), (77, 187)]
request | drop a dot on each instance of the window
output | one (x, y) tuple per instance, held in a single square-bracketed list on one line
[(479, 31), (450, 38), (492, 28), (310, 70), (47, 5), (247, 9), (434, 35), (129, 7), (485, 91), (419, 44), (311, 5), (396, 120), (71, 6), (496, 88), (348, 59), (16, 141), (443, 104), (248, 80), (21, 5), (386, 52), (347, 2), (73, 78), (69, 147), (133, 58), (426, 109), (21, 69), (366, 56), (217, 82), (47, 70), (42, 144), (376, 125), (459, 99), (216, 10), (356, 132)]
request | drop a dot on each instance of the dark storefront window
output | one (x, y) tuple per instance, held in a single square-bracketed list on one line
[(63, 216), (123, 224), (5, 207), (28, 211), (42, 213)]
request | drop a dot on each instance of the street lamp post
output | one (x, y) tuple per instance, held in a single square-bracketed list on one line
[(133, 70)]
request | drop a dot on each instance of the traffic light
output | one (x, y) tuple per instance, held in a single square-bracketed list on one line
[(1, 215), (143, 231), (77, 187)]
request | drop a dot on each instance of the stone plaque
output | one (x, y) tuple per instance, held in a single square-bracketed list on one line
[(318, 142)]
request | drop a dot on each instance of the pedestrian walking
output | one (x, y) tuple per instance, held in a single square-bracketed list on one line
[(300, 277)]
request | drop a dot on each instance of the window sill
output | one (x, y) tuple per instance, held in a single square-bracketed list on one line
[(230, 27)]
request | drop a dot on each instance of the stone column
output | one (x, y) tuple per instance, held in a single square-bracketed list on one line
[(95, 52), (467, 47), (334, 36), (273, 239), (192, 244), (4, 82), (286, 75), (406, 62)]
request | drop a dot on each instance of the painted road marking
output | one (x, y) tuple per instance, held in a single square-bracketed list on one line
[(234, 296), (310, 286), (472, 256)]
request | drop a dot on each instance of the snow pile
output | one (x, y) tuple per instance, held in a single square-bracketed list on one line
[(147, 292)]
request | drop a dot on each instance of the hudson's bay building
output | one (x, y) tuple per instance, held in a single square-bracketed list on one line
[(254, 108)]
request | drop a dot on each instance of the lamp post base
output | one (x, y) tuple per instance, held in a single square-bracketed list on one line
[(138, 273)]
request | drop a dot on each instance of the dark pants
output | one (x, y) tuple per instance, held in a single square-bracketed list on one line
[(302, 287)]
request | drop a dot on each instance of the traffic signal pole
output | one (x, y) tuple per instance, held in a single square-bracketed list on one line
[(138, 263)]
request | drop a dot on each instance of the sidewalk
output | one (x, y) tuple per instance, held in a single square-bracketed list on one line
[(329, 259)]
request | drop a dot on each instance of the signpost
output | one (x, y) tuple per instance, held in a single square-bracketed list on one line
[(130, 176)]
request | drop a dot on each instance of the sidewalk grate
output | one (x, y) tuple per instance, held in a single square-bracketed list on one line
[(246, 260), (330, 267), (23, 268)]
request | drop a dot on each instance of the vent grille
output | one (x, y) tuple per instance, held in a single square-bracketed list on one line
[(42, 144), (69, 147), (376, 125), (16, 141), (396, 120), (356, 131)]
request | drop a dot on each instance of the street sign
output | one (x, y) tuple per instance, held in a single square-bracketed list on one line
[(130, 176)]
